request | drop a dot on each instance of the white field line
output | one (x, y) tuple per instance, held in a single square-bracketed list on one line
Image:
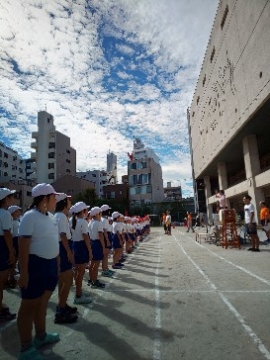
[(157, 340), (238, 316)]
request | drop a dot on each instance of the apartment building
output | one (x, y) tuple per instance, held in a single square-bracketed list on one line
[(229, 124), (144, 176), (53, 156), (12, 166)]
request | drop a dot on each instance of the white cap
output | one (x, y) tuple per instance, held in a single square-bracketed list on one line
[(95, 210), (14, 208), (43, 189), (62, 196), (115, 214), (78, 207), (4, 192), (105, 207)]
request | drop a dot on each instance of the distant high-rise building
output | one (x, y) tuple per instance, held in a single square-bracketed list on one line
[(12, 166), (53, 156), (144, 176), (112, 166)]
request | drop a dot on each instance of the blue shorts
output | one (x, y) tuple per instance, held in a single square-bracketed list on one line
[(251, 230), (132, 237), (43, 275), (97, 250), (16, 246), (81, 253), (64, 263), (116, 243), (4, 255)]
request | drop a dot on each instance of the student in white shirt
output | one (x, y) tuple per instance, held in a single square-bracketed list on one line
[(15, 212), (38, 253), (7, 258), (64, 313), (81, 248), (117, 240), (95, 229), (108, 246)]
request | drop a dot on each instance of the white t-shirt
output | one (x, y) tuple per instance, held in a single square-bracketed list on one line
[(109, 229), (116, 227), (15, 227), (43, 231), (5, 221), (94, 228), (168, 219), (80, 229), (105, 223), (63, 225), (248, 210)]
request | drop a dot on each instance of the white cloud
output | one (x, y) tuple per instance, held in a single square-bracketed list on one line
[(53, 55)]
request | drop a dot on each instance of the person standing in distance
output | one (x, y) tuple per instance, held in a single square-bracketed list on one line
[(250, 223), (38, 252), (168, 222)]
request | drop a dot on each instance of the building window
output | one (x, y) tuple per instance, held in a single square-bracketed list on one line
[(198, 100), (51, 155), (224, 16), (5, 155), (67, 170), (14, 158), (14, 167), (51, 145), (0, 153), (112, 194), (28, 193), (48, 120), (133, 166), (212, 54), (138, 190), (149, 189), (5, 173), (68, 151), (51, 176), (51, 166), (204, 80)]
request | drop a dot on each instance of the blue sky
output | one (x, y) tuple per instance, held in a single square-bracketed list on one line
[(108, 71)]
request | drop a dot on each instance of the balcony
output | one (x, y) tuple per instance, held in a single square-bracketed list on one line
[(34, 144), (34, 155), (35, 135)]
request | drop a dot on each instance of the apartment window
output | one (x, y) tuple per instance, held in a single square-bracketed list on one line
[(68, 151), (204, 80), (68, 161), (28, 193), (224, 16), (112, 194), (120, 192), (51, 155), (0, 153), (5, 173), (149, 189), (20, 170), (133, 166), (138, 190), (198, 100), (51, 145), (5, 164), (94, 175), (0, 162), (212, 54), (48, 120), (14, 158), (14, 167), (5, 155), (51, 176), (67, 170), (51, 166)]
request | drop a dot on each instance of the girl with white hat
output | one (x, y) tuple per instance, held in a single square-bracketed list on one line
[(38, 252), (7, 257), (64, 313), (81, 248), (95, 229), (108, 246), (117, 240)]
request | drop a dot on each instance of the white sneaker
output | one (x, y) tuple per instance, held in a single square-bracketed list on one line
[(82, 300)]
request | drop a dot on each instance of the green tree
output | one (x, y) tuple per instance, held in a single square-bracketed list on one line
[(88, 196)]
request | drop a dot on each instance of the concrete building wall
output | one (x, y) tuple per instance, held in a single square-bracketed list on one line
[(53, 156), (230, 108), (72, 185), (12, 166), (225, 102)]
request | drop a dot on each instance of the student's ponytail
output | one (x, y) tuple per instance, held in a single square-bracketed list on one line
[(74, 221)]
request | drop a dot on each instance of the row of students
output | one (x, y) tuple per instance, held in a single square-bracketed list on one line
[(55, 246)]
